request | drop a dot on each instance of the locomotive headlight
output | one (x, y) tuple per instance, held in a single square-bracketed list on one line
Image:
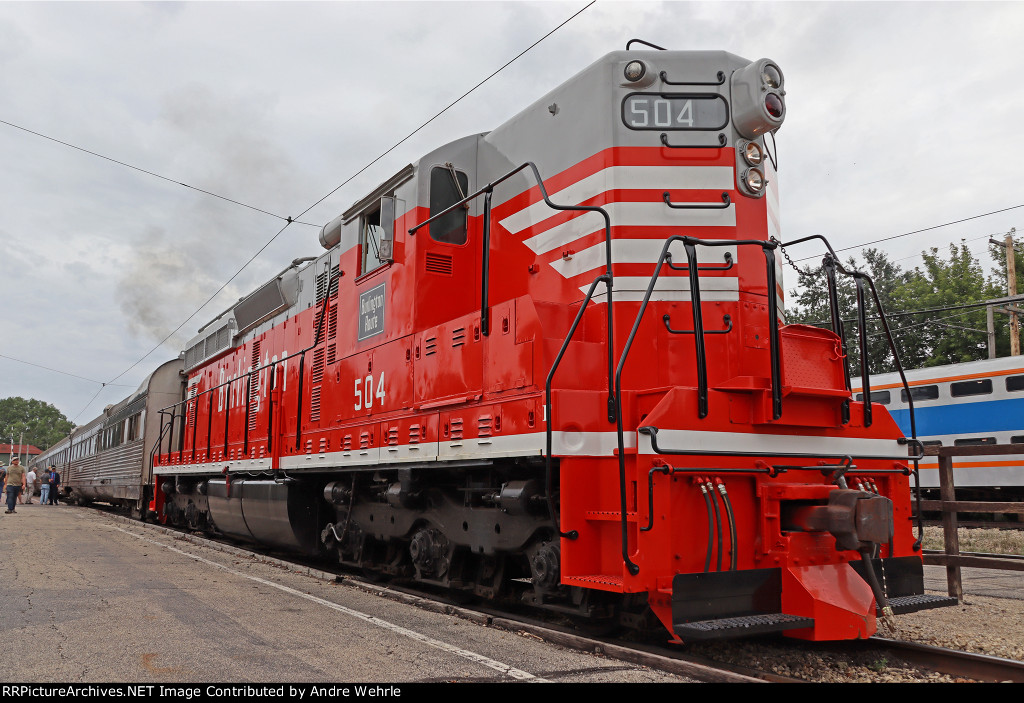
[(634, 71), (752, 153), (754, 179), (758, 98), (771, 75)]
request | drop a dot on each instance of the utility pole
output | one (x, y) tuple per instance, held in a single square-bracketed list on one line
[(1011, 285), (1011, 288)]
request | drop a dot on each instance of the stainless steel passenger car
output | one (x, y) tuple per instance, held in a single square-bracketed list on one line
[(108, 459)]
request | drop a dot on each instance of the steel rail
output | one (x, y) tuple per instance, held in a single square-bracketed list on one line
[(971, 665)]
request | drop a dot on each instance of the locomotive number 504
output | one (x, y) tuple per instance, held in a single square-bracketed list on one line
[(365, 395)]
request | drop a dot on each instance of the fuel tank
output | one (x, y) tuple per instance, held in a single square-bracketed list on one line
[(283, 514)]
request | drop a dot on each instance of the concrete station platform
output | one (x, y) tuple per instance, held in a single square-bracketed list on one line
[(93, 597)]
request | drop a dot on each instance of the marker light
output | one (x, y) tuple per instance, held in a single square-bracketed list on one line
[(635, 70), (771, 75), (773, 104), (752, 153)]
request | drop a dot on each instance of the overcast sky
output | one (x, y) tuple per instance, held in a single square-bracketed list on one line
[(900, 116)]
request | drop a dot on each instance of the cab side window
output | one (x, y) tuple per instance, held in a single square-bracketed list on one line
[(370, 235), (445, 191)]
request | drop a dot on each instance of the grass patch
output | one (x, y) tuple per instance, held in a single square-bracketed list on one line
[(973, 539)]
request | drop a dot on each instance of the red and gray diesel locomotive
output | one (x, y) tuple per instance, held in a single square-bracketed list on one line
[(549, 363)]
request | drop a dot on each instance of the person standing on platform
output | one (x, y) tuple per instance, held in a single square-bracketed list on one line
[(54, 483), (30, 485), (14, 483), (44, 486)]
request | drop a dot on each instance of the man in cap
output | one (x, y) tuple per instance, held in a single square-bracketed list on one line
[(14, 483)]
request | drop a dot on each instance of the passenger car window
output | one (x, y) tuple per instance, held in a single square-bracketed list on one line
[(973, 441), (921, 393), (1015, 383), (883, 397), (445, 192), (964, 388)]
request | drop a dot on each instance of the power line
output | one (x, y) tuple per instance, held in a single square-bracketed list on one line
[(348, 180), (95, 395), (65, 373), (918, 231), (905, 328), (965, 241), (455, 102), (905, 313), (155, 175)]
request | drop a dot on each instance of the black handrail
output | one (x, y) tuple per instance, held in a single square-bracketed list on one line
[(727, 319), (249, 374), (722, 141), (837, 328), (726, 202), (486, 239), (719, 80), (647, 43), (775, 353), (865, 372), (690, 244), (607, 278), (711, 267), (571, 534), (832, 259)]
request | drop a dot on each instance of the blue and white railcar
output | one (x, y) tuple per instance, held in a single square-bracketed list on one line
[(972, 404)]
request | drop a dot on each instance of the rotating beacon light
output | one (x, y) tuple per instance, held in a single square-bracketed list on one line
[(758, 107)]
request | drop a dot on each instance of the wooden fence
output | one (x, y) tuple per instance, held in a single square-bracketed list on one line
[(949, 506)]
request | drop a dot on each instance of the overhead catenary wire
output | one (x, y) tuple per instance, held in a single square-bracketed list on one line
[(155, 175), (904, 313), (344, 183), (94, 396), (65, 373), (448, 107), (918, 231)]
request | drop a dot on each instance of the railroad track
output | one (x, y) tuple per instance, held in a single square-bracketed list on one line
[(968, 665), (696, 661)]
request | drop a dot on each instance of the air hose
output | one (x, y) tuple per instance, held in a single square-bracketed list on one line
[(887, 618)]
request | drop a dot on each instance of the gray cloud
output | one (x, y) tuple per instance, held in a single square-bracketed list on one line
[(894, 109)]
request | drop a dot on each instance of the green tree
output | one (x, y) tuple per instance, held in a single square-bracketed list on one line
[(33, 422), (890, 281), (950, 336), (943, 336)]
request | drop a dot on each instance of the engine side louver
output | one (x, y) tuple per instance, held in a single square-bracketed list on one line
[(440, 264)]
